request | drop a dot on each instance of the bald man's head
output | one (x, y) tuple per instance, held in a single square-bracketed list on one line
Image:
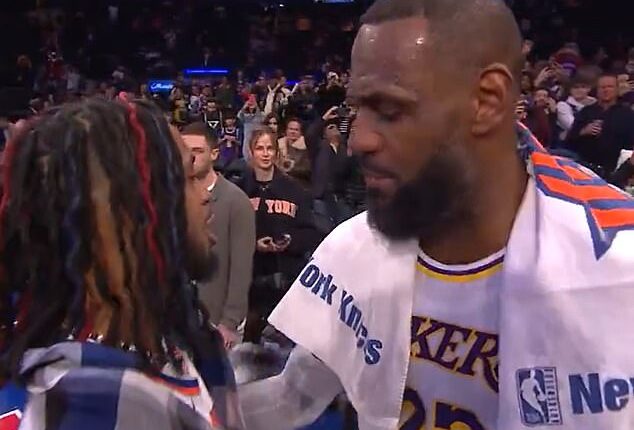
[(467, 35)]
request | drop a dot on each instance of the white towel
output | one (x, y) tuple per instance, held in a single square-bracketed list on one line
[(566, 308)]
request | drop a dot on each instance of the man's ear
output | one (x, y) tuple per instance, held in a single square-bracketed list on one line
[(215, 153), (493, 98)]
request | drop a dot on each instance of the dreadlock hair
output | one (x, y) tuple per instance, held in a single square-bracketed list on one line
[(92, 228)]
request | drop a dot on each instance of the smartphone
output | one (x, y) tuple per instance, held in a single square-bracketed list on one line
[(283, 240)]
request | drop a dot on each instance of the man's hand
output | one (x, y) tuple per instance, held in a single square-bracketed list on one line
[(265, 244), (268, 245), (520, 110), (527, 47), (331, 114), (592, 129), (229, 336), (545, 74)]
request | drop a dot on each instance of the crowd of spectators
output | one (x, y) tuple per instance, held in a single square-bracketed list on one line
[(278, 111)]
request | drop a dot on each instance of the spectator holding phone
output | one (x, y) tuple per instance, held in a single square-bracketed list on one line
[(277, 96), (331, 93), (250, 117), (626, 89), (303, 100), (329, 160), (541, 116), (285, 231), (602, 130)]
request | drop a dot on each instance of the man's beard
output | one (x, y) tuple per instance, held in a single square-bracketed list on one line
[(430, 205), (204, 170)]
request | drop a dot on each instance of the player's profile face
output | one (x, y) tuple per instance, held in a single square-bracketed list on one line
[(407, 135)]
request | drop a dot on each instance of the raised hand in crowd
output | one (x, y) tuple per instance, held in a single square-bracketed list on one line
[(331, 114)]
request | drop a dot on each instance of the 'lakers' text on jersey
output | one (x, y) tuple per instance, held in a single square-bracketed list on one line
[(453, 372)]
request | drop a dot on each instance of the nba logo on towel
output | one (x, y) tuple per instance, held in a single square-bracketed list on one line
[(538, 396)]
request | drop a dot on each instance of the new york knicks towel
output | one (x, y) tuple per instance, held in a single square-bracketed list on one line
[(565, 357)]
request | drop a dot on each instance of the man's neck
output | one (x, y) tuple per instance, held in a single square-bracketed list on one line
[(211, 178), (498, 195), (263, 175), (606, 105)]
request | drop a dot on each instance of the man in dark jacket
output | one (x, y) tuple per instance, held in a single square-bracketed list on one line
[(601, 130), (285, 230), (330, 165)]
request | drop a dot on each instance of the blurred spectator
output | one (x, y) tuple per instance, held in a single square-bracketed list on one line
[(567, 110), (331, 93), (260, 90), (195, 104), (277, 96), (225, 94), (206, 95), (293, 154), (271, 121), (230, 141), (24, 75), (541, 117), (178, 106), (250, 117), (304, 100), (226, 294), (330, 163), (526, 85), (213, 116), (285, 230), (603, 129), (626, 89)]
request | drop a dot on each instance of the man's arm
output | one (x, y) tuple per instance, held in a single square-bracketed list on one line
[(565, 116), (294, 398), (320, 177), (241, 249), (577, 133)]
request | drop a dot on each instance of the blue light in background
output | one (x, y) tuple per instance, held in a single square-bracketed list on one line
[(160, 86), (205, 71)]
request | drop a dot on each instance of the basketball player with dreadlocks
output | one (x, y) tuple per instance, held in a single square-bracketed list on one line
[(102, 228)]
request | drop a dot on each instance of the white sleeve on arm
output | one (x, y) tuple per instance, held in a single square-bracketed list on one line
[(565, 116), (294, 398)]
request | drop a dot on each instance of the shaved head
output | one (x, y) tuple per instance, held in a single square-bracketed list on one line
[(468, 35)]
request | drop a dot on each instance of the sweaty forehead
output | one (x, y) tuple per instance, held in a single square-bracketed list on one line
[(392, 52)]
